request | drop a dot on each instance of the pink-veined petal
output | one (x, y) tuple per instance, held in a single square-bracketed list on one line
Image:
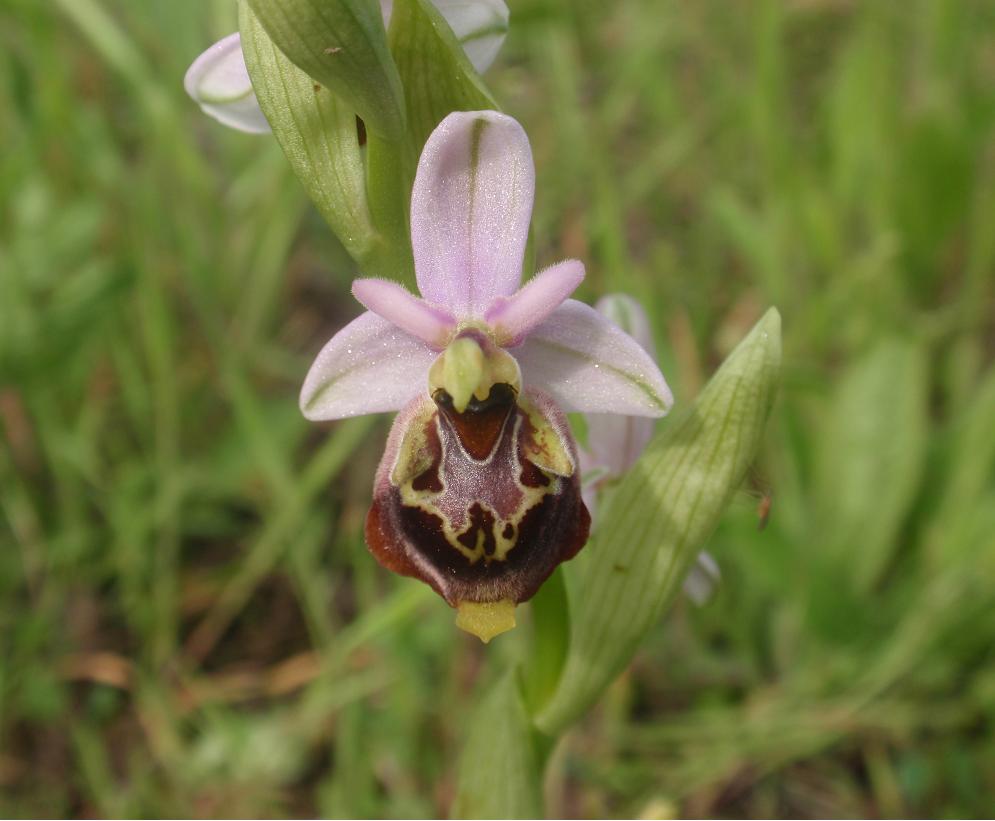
[(369, 366), (219, 83), (397, 305), (513, 317), (588, 364), (470, 210), (479, 25)]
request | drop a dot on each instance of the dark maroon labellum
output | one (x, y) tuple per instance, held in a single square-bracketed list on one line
[(481, 505)]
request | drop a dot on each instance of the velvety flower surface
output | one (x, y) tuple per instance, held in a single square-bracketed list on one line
[(219, 83), (478, 492)]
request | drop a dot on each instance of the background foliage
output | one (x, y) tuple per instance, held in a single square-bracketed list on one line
[(189, 623)]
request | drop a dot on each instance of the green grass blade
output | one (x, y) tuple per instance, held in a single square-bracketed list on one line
[(872, 456), (658, 519)]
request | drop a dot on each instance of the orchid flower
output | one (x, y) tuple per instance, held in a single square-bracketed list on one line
[(219, 83), (478, 490), (615, 442)]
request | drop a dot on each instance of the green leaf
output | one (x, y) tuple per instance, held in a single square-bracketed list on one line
[(341, 44), (971, 456), (437, 75), (500, 775), (654, 524), (550, 636), (317, 131), (389, 178), (871, 457)]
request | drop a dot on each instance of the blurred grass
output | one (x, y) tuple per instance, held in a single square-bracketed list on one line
[(189, 623)]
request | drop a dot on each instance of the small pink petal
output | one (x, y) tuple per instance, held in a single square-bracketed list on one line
[(400, 307), (513, 317), (470, 210), (588, 364), (368, 367)]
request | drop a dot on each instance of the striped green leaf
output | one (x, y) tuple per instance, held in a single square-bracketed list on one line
[(653, 525), (437, 75), (317, 131)]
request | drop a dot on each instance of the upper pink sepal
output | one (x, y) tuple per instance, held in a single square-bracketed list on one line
[(470, 210)]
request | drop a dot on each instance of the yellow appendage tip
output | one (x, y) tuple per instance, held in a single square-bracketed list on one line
[(485, 619)]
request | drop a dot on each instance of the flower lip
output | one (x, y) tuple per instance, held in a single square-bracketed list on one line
[(478, 530), (480, 425)]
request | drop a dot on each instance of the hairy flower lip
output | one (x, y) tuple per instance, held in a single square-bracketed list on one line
[(414, 507)]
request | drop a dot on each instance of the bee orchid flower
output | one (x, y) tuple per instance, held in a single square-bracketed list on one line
[(478, 491), (219, 83)]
